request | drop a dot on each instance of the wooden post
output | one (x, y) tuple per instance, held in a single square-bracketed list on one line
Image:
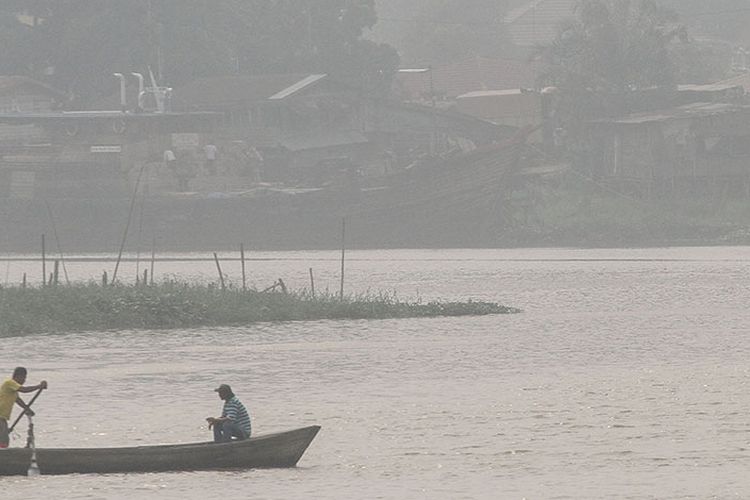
[(23, 283), (138, 240), (127, 224), (56, 273), (57, 242), (104, 279), (145, 277), (343, 256), (283, 286), (312, 283), (44, 263), (153, 258), (218, 268), (242, 260), (51, 279)]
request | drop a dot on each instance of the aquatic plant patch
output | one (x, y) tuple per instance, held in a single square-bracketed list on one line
[(171, 304)]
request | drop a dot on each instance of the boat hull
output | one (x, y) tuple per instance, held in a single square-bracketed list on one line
[(282, 449)]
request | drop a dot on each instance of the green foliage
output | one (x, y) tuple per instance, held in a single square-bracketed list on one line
[(581, 213), (607, 59), (181, 305), (82, 42), (615, 46)]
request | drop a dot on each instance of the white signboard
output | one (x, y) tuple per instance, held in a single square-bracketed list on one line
[(186, 141), (106, 149)]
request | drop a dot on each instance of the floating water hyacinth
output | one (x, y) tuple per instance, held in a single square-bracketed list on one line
[(172, 304)]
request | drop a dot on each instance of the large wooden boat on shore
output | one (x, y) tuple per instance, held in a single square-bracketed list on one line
[(452, 201), (283, 449)]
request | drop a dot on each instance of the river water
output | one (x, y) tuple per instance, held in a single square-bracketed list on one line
[(626, 376)]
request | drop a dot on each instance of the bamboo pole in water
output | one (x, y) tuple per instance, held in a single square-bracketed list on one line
[(218, 268), (343, 256), (242, 260), (127, 224), (57, 242), (44, 263), (312, 284), (138, 239), (153, 258)]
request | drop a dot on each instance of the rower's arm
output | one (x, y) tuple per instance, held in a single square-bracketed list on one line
[(20, 402), (33, 388)]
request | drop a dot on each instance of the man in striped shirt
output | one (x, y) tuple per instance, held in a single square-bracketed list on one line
[(234, 421)]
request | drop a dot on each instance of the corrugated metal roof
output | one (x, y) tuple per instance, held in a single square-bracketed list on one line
[(711, 87), (537, 22), (233, 90), (468, 75), (293, 89), (742, 80), (689, 111), (490, 93)]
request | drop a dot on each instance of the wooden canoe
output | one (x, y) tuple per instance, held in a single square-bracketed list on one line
[(282, 449)]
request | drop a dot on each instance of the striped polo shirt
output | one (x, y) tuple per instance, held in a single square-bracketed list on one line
[(236, 412)]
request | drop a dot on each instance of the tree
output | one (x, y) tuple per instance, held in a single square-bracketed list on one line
[(609, 56), (615, 46), (80, 43)]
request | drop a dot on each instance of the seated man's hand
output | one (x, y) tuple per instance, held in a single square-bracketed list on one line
[(43, 384)]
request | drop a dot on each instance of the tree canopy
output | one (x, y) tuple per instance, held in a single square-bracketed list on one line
[(613, 58), (615, 46), (78, 44)]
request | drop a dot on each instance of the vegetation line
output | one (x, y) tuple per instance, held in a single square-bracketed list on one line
[(173, 304)]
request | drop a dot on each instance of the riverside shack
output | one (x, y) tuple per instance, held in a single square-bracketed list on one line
[(698, 146), (307, 125), (46, 153)]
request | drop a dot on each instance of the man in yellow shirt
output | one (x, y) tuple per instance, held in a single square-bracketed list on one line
[(9, 396)]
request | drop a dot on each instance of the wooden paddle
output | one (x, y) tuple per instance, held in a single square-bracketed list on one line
[(28, 405)]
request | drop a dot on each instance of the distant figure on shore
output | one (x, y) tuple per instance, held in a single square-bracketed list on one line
[(170, 160), (185, 170), (210, 151), (234, 421), (352, 182), (251, 163), (9, 397)]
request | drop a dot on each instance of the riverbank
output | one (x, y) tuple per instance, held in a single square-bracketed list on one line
[(564, 214), (172, 305), (586, 217)]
